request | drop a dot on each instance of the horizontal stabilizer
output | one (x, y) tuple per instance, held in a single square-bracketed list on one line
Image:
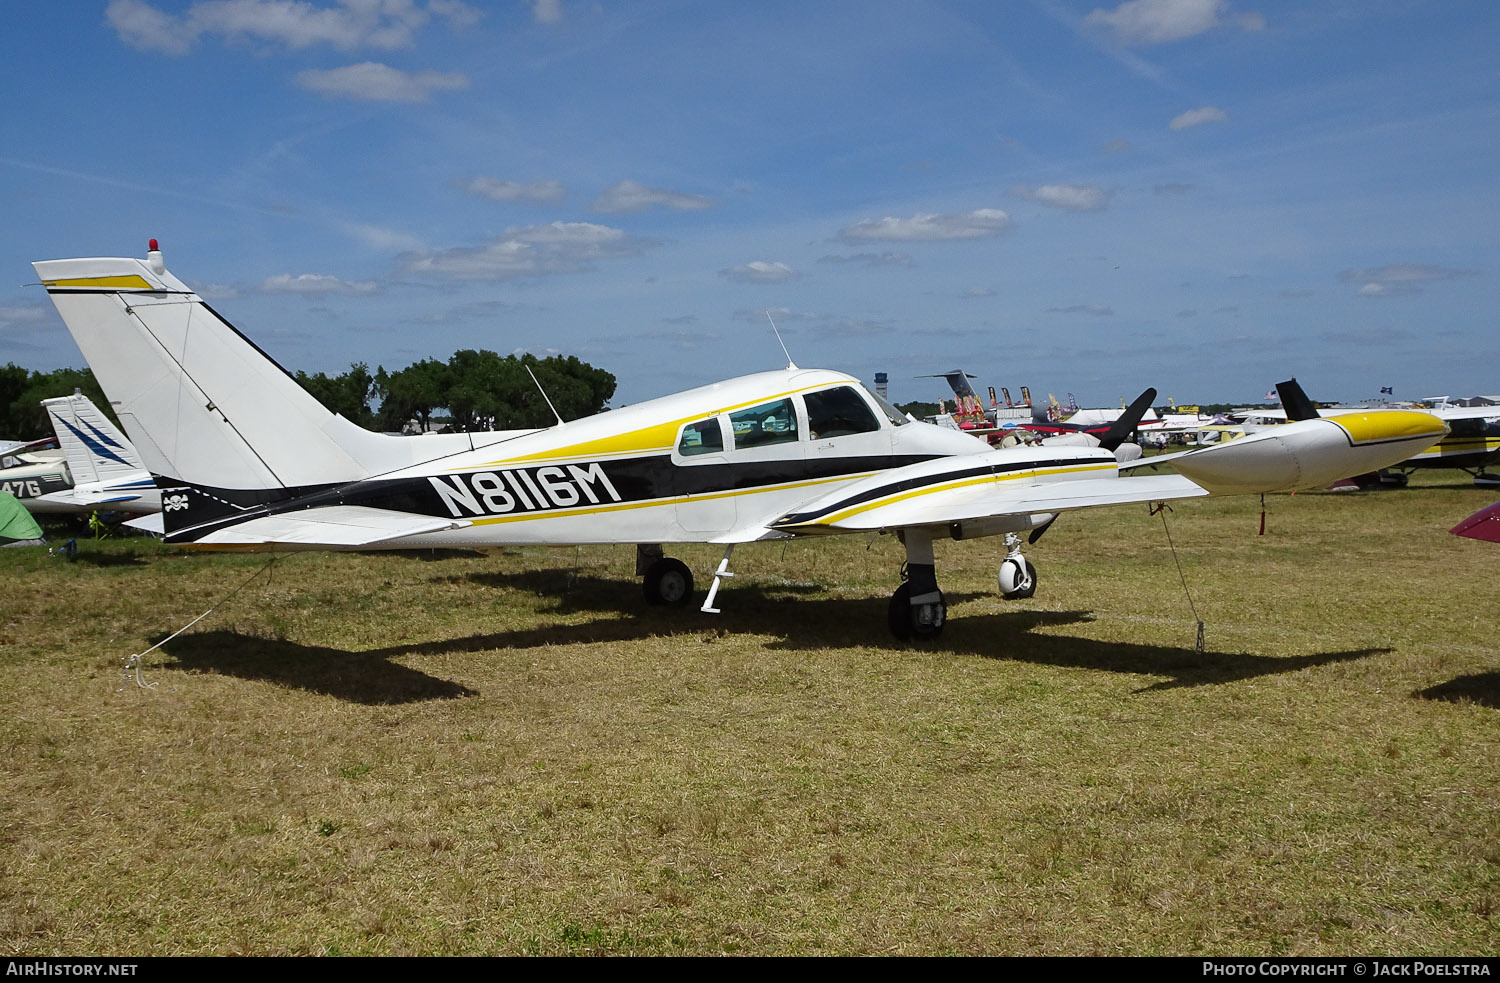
[(83, 500), (331, 527), (149, 523)]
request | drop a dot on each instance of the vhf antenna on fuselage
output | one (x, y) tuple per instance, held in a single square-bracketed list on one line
[(544, 394), (789, 363)]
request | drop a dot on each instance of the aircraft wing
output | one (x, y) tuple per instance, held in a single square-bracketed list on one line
[(331, 526), (945, 503)]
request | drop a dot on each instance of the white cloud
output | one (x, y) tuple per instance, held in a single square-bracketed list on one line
[(316, 285), (628, 196), (977, 224), (870, 259), (547, 11), (779, 314), (1197, 117), (375, 82), (530, 251), (1159, 21), (1073, 197), (295, 24), (379, 237), (976, 292), (760, 271), (1400, 279), (532, 191), (1094, 310)]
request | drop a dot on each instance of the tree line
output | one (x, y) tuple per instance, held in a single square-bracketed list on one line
[(473, 390)]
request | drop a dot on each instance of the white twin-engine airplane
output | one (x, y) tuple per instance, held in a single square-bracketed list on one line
[(247, 460)]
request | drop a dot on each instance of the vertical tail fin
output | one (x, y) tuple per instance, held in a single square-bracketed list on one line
[(202, 403), (1295, 401), (96, 451)]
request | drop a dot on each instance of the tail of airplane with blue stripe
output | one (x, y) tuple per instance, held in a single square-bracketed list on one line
[(96, 450)]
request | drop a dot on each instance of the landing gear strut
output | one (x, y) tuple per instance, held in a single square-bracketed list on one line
[(665, 580), (917, 611)]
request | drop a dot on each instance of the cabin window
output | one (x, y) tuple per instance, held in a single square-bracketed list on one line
[(768, 423), (838, 412), (703, 437)]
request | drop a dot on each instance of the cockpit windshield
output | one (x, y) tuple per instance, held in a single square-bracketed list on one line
[(896, 417)]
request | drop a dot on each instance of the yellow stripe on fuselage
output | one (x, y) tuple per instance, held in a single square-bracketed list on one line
[(660, 437), (1385, 425), (843, 514), (116, 282)]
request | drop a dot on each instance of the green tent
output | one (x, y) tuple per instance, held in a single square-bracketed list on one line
[(15, 522)]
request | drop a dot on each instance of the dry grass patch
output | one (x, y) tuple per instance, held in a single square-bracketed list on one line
[(373, 754)]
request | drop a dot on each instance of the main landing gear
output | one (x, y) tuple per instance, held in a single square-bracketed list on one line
[(664, 580), (917, 611)]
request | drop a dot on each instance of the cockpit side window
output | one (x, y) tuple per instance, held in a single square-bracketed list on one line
[(837, 413), (703, 437), (768, 423)]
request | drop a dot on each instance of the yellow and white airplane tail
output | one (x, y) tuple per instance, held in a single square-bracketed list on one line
[(209, 413)]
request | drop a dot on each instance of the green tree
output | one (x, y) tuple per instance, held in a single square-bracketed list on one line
[(347, 394), (22, 416), (411, 393)]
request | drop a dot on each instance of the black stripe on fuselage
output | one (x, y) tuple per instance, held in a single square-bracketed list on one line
[(535, 489)]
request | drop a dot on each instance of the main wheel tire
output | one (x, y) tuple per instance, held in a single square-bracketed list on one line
[(1023, 586), (922, 623), (668, 581)]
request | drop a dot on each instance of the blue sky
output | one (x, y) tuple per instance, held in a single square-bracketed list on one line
[(1204, 196)]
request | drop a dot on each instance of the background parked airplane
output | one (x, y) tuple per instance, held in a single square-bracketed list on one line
[(106, 470)]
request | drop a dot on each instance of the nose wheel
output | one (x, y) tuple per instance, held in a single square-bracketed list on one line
[(1017, 577)]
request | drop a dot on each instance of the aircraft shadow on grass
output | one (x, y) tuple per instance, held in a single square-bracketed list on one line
[(1480, 687), (811, 624)]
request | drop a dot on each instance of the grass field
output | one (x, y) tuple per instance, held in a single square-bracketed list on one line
[(508, 754)]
